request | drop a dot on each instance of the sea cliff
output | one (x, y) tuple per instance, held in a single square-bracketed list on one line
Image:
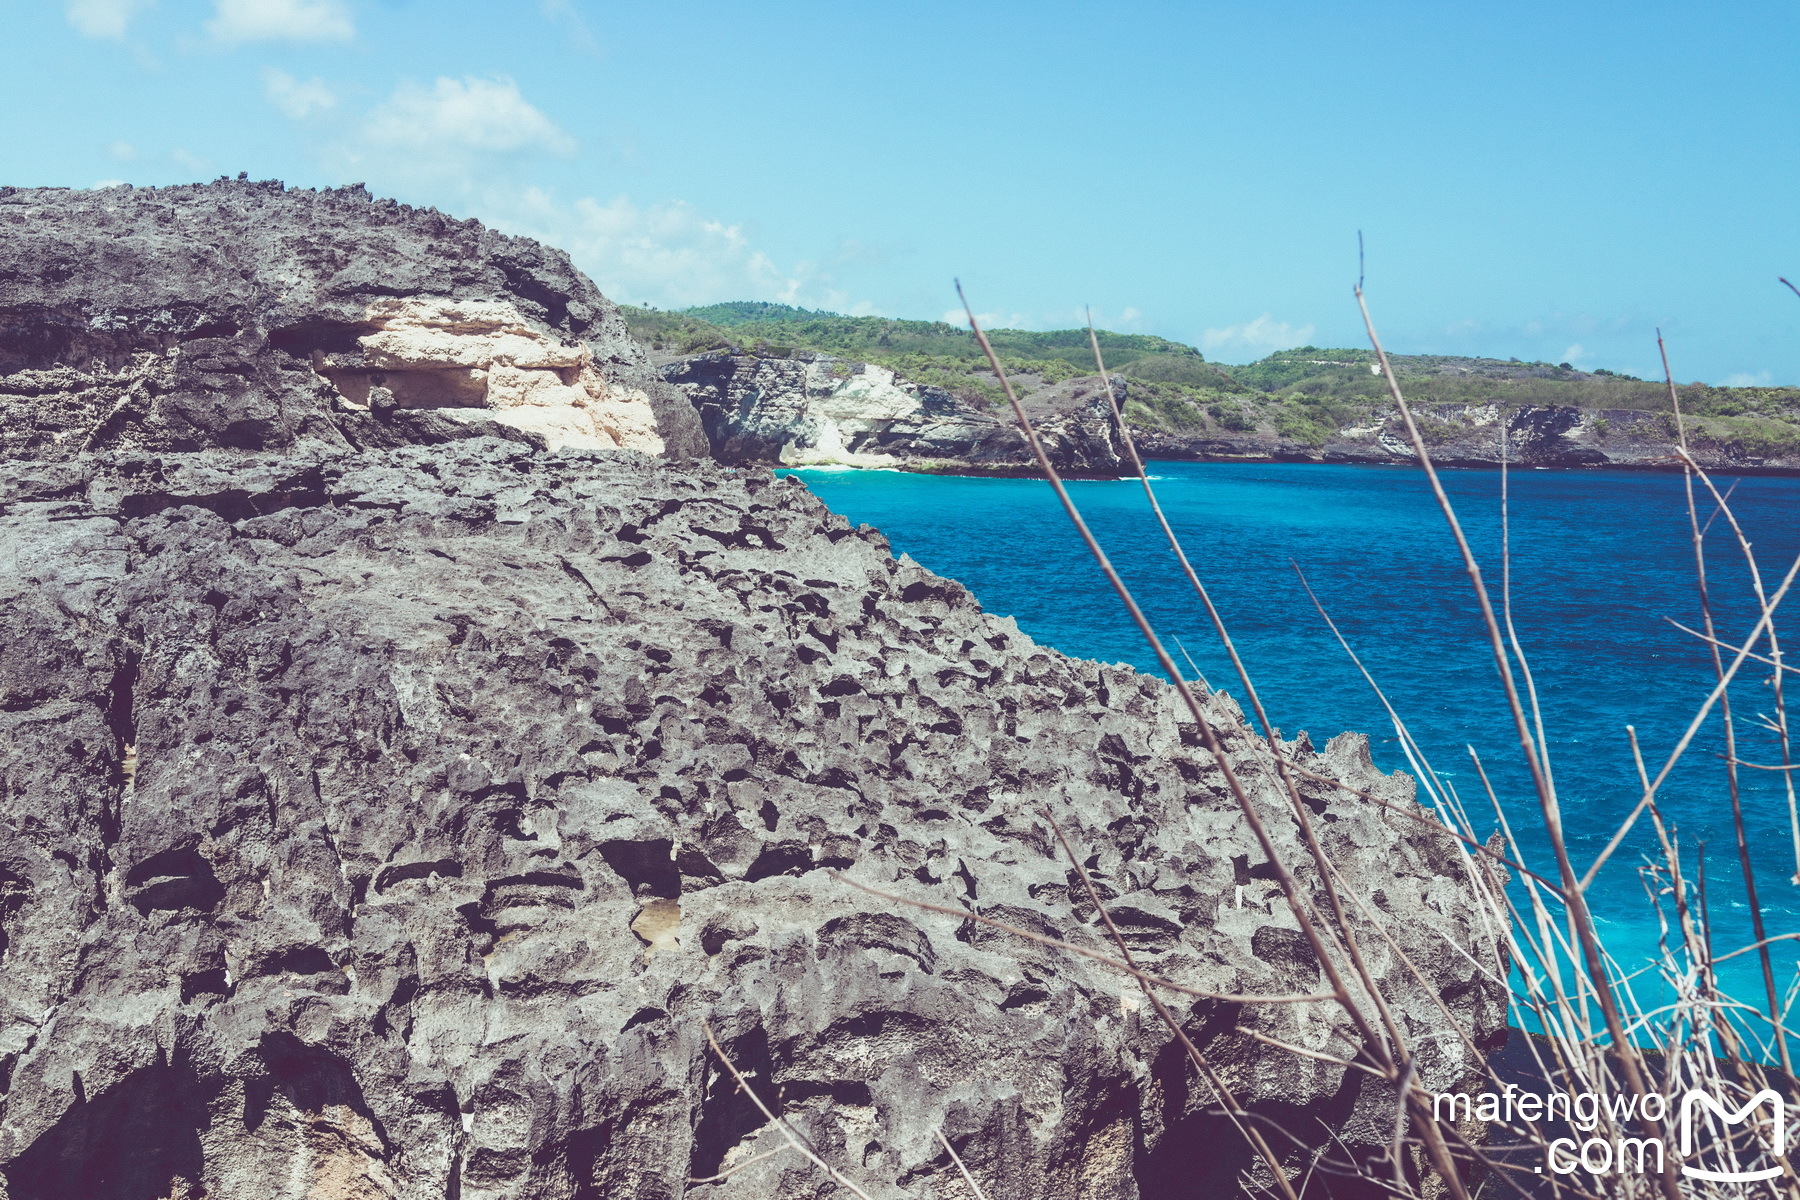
[(820, 410), (1485, 435), (1304, 405)]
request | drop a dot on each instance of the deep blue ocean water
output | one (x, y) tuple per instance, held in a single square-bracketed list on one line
[(1599, 561)]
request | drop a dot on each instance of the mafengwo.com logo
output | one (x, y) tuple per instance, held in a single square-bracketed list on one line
[(1715, 1140)]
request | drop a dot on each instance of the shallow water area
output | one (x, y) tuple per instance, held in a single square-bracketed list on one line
[(1600, 564)]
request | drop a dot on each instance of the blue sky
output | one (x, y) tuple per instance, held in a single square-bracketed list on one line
[(1534, 180)]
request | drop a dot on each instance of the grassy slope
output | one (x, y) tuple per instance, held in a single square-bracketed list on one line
[(1321, 390), (930, 352), (1305, 394)]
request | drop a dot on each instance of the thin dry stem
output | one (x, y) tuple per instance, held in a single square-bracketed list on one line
[(1694, 726), (1302, 817), (1290, 886), (957, 1159), (1220, 1089), (722, 1176), (1547, 801), (793, 1136), (1689, 469)]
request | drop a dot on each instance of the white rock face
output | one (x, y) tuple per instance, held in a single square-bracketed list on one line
[(484, 356), (836, 409), (821, 411)]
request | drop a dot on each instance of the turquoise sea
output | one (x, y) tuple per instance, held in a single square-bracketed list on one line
[(1601, 561)]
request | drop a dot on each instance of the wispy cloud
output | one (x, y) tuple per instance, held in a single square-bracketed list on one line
[(237, 21), (1255, 339), (453, 131), (103, 18), (1746, 379), (670, 254), (1127, 320), (564, 13), (298, 98), (1586, 341), (468, 143)]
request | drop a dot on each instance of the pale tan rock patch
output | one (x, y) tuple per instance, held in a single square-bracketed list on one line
[(484, 355)]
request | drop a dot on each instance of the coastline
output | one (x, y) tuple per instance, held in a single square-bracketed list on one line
[(981, 471), (1667, 468)]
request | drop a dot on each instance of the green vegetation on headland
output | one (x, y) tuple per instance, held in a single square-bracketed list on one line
[(1306, 394), (927, 352)]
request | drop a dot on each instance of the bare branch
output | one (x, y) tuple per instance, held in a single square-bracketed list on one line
[(793, 1136), (1546, 792), (722, 1176), (957, 1159), (1290, 887)]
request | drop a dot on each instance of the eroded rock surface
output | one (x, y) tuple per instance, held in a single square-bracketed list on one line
[(248, 316), (386, 824), (388, 798), (816, 410)]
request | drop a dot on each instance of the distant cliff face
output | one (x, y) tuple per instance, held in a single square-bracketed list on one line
[(817, 410), (1486, 435), (248, 316), (824, 411), (1303, 405)]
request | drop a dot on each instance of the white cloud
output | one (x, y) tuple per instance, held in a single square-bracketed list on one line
[(455, 131), (109, 183), (123, 151), (563, 13), (670, 255), (1536, 337), (1255, 339), (103, 18), (1126, 320), (1746, 379), (297, 98), (281, 20), (466, 144)]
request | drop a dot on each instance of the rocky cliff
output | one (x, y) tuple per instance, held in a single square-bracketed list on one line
[(384, 820), (1463, 435), (762, 402), (812, 409), (819, 410), (250, 316)]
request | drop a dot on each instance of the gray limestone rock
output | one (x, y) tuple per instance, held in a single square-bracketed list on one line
[(222, 315), (388, 823), (387, 808)]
